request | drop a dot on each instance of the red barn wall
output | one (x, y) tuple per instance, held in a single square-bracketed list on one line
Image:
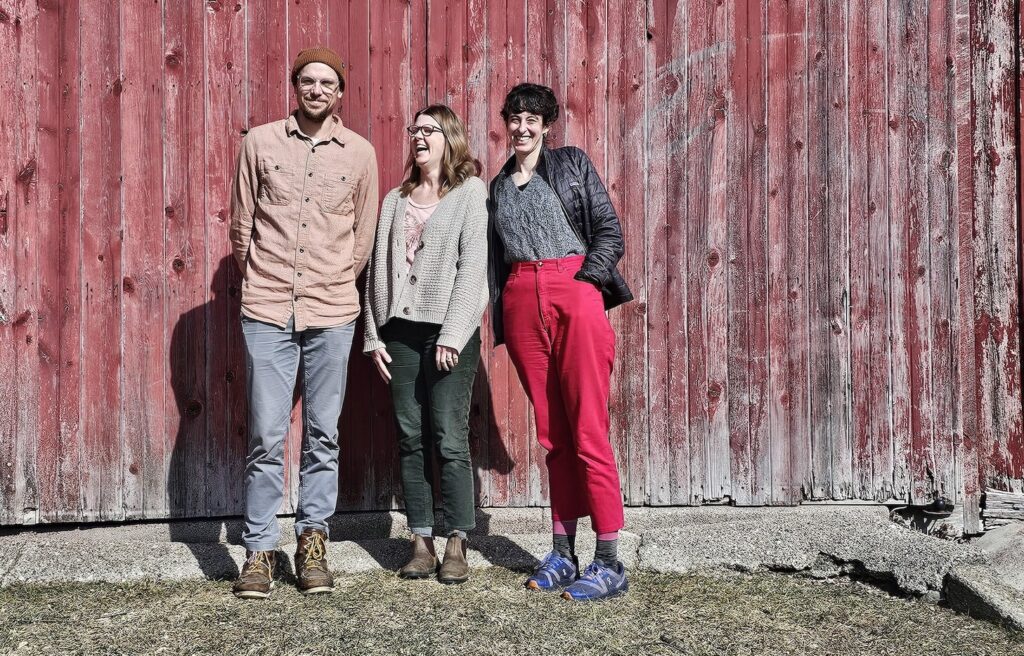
[(820, 198)]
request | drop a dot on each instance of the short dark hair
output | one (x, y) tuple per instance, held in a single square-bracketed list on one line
[(534, 98)]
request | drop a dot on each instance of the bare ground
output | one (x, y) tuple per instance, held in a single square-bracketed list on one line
[(724, 613)]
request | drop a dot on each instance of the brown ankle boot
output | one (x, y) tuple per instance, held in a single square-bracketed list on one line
[(257, 577), (311, 567), (423, 562), (455, 569)]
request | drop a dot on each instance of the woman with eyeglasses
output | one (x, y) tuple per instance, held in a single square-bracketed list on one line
[(425, 295), (555, 242)]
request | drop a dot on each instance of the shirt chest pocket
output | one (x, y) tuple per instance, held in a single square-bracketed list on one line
[(337, 194), (276, 183)]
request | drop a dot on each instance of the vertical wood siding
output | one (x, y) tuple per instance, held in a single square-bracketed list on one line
[(820, 200)]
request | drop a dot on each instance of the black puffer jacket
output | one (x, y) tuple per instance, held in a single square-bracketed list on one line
[(571, 174)]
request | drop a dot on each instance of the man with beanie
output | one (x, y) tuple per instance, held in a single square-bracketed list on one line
[(303, 216)]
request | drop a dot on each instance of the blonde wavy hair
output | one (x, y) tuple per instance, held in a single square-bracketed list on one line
[(457, 164)]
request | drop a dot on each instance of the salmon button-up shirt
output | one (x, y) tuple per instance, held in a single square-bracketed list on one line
[(303, 217)]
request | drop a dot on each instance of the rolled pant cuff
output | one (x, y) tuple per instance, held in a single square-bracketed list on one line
[(260, 546)]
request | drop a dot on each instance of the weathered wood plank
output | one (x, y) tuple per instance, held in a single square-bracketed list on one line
[(877, 482), (267, 84), (27, 254), (997, 298), (102, 482), (9, 313), (798, 228), (702, 114), (656, 246), (756, 119), (898, 172), (225, 82), (918, 239), (941, 214), (142, 408), (860, 260), (477, 113), (738, 209), (48, 267), (781, 183), (670, 456), (817, 288), (69, 471), (718, 483), (185, 261), (366, 408), (629, 419)]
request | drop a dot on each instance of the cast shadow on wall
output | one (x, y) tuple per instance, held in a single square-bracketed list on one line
[(204, 475)]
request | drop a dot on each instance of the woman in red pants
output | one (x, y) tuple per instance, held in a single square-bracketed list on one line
[(555, 242)]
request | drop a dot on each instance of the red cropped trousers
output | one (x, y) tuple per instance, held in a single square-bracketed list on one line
[(562, 346)]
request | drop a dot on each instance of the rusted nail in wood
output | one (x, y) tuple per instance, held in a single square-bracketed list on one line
[(3, 213)]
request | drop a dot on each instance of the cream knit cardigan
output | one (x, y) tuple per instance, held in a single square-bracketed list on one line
[(447, 283)]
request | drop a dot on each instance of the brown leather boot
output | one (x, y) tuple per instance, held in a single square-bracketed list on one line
[(311, 567), (257, 577), (423, 561), (454, 569)]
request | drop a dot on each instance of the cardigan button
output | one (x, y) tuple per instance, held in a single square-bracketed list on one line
[(406, 311), (412, 280)]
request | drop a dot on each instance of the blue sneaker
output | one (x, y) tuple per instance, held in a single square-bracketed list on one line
[(554, 572), (598, 582)]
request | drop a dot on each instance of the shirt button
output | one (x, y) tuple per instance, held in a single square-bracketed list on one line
[(342, 178), (276, 167), (420, 246), (302, 250), (307, 199), (303, 225), (296, 297), (406, 311), (311, 174), (299, 274)]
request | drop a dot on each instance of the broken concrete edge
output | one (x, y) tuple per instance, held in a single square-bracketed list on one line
[(975, 591)]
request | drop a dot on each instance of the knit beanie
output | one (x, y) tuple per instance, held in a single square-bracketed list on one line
[(321, 54)]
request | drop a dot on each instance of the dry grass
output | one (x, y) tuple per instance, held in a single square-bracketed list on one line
[(724, 613)]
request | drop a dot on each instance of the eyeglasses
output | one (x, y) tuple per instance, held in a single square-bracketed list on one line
[(427, 130), (307, 84)]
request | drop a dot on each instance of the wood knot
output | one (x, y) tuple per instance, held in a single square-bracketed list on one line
[(169, 211), (27, 172), (117, 87), (178, 265), (193, 408), (128, 285), (714, 258), (173, 57), (133, 469), (714, 391), (229, 376)]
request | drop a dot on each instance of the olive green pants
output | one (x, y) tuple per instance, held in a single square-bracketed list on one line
[(432, 419)]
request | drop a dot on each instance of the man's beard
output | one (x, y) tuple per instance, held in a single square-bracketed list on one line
[(316, 117)]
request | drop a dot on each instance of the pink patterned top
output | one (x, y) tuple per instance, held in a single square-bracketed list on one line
[(416, 217)]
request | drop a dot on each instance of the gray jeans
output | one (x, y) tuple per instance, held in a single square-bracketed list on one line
[(272, 358)]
